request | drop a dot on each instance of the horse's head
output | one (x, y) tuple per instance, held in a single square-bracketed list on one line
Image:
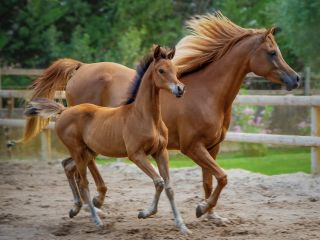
[(267, 61), (165, 72)]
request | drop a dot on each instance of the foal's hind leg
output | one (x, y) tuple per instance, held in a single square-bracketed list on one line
[(140, 159), (101, 186), (70, 170), (82, 158), (162, 159), (71, 173)]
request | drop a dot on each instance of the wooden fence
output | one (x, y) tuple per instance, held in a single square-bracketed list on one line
[(260, 100), (293, 140)]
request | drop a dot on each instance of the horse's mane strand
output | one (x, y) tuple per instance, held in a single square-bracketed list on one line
[(140, 71), (211, 37)]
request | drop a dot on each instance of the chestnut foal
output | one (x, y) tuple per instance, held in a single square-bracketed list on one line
[(133, 130)]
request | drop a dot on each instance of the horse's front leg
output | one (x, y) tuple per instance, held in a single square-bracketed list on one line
[(207, 187), (201, 156), (162, 159), (140, 159)]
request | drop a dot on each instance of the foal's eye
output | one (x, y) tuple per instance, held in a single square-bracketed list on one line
[(273, 53), (161, 71)]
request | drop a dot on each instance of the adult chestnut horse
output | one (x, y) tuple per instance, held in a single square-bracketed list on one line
[(212, 62), (134, 130)]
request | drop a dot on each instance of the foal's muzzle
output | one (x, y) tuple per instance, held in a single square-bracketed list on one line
[(177, 89)]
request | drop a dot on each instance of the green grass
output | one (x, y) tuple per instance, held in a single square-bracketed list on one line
[(276, 161)]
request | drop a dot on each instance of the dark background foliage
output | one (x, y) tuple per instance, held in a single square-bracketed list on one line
[(33, 33)]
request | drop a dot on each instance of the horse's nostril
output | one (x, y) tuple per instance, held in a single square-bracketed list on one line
[(298, 78)]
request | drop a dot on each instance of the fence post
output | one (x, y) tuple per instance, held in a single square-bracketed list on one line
[(45, 145), (0, 86), (315, 131), (10, 106), (307, 81)]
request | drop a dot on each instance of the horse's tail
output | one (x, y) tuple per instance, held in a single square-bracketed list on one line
[(53, 79), (44, 108)]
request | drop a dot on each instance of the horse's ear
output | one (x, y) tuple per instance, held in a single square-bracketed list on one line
[(157, 52), (171, 53), (273, 31)]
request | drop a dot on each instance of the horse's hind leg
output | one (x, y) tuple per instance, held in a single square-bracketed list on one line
[(70, 171), (140, 159), (162, 159)]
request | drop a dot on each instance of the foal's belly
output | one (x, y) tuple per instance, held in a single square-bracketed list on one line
[(108, 147), (105, 137)]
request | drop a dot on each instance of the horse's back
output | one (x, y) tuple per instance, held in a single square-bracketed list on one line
[(101, 83)]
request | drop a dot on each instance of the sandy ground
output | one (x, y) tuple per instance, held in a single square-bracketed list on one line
[(35, 200)]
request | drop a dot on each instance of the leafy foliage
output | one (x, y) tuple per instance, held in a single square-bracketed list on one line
[(36, 32)]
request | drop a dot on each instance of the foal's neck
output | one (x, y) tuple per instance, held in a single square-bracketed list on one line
[(147, 101)]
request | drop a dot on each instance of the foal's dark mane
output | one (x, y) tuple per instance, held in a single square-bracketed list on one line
[(140, 71)]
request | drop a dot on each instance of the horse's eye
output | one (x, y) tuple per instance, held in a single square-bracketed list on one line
[(273, 53), (161, 71)]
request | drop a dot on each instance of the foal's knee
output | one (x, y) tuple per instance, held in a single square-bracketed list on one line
[(223, 181), (159, 185), (102, 189)]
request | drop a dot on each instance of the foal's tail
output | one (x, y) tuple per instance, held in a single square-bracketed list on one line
[(53, 79), (44, 108)]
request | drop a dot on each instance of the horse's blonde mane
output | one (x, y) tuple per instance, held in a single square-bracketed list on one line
[(212, 35)]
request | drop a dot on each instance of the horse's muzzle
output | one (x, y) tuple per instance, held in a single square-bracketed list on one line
[(291, 82)]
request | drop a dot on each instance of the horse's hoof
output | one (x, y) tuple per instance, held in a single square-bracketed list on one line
[(200, 210), (96, 203)]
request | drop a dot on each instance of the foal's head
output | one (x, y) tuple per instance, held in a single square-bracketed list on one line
[(164, 72), (268, 62)]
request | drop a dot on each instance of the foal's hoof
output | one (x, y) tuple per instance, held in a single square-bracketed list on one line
[(201, 209), (142, 215), (147, 213), (96, 203), (184, 230), (98, 222)]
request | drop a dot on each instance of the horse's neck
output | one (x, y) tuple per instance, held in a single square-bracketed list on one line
[(227, 74), (147, 102)]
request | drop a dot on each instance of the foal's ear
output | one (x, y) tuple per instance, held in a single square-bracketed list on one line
[(157, 52), (171, 53), (275, 30)]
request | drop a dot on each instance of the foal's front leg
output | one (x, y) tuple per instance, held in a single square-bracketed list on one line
[(162, 159), (140, 159)]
